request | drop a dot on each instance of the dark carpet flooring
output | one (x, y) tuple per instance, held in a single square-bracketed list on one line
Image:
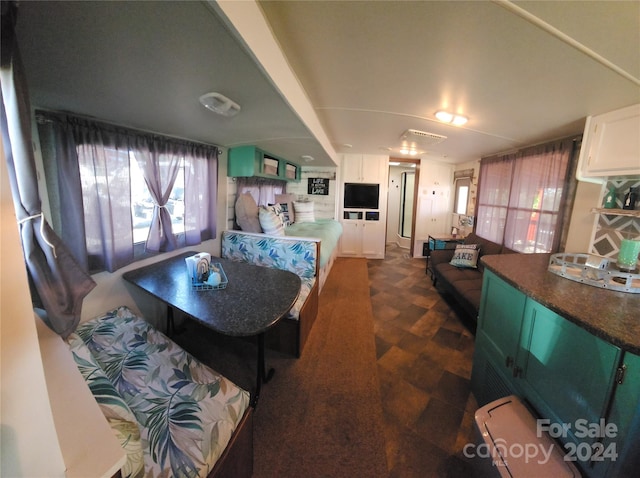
[(321, 414)]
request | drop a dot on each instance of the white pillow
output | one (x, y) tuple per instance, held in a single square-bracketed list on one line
[(270, 222), (466, 255), (304, 211)]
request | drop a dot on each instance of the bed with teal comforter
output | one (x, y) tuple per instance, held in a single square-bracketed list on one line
[(327, 230)]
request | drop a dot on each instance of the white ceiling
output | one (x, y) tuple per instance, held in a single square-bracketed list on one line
[(523, 72)]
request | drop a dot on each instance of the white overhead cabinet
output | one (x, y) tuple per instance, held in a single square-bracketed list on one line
[(364, 168), (363, 205), (611, 144)]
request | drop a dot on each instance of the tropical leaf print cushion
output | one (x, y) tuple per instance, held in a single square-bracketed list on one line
[(295, 256), (118, 414), (186, 411)]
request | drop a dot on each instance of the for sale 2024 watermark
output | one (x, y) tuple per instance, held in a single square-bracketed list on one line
[(594, 435)]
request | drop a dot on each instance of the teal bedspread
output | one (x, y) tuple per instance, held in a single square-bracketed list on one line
[(327, 230)]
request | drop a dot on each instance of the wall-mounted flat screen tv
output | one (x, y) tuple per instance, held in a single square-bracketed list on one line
[(361, 196)]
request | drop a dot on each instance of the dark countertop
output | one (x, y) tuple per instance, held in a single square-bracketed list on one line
[(613, 316), (253, 301)]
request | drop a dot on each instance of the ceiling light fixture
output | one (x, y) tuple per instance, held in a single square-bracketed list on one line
[(410, 152), (410, 148), (307, 157), (446, 117), (220, 104)]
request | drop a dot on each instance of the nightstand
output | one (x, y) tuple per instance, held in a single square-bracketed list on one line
[(439, 242)]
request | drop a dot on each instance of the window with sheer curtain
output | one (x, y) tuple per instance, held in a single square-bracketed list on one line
[(120, 194), (263, 190), (521, 196)]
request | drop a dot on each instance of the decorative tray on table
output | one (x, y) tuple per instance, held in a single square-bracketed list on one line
[(211, 282), (595, 271)]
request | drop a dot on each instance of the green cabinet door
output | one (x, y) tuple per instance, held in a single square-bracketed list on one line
[(625, 416), (243, 161), (497, 339), (249, 161), (566, 373), (500, 318)]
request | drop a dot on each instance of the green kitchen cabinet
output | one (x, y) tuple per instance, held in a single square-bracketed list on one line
[(624, 414), (497, 338), (249, 161), (566, 373), (569, 377)]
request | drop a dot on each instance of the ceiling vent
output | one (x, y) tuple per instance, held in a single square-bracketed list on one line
[(422, 137)]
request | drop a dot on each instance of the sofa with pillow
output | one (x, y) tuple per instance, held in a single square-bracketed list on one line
[(173, 415), (459, 271)]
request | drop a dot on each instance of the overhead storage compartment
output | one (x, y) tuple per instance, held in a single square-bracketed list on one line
[(610, 145), (249, 161)]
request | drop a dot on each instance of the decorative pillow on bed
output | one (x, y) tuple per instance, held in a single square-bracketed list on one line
[(278, 209), (247, 213), (270, 222), (286, 201), (304, 211), (466, 255)]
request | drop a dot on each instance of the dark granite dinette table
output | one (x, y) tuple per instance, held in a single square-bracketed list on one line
[(253, 301)]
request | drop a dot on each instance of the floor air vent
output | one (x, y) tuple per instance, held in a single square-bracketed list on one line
[(422, 137), (494, 385)]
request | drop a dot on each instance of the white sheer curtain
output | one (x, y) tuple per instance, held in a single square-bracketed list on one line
[(264, 191), (521, 197)]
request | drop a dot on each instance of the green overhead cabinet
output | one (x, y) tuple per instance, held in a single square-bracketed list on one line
[(568, 376), (249, 161)]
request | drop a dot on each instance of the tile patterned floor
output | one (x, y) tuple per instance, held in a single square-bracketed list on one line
[(424, 352)]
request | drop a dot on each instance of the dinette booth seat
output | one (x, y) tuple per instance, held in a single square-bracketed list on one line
[(293, 254), (173, 415)]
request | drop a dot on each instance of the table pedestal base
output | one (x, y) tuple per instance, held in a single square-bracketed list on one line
[(263, 375)]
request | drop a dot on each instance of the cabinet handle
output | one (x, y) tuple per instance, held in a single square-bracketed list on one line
[(517, 372), (509, 362)]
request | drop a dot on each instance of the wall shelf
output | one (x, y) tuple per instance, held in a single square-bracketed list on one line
[(616, 212)]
